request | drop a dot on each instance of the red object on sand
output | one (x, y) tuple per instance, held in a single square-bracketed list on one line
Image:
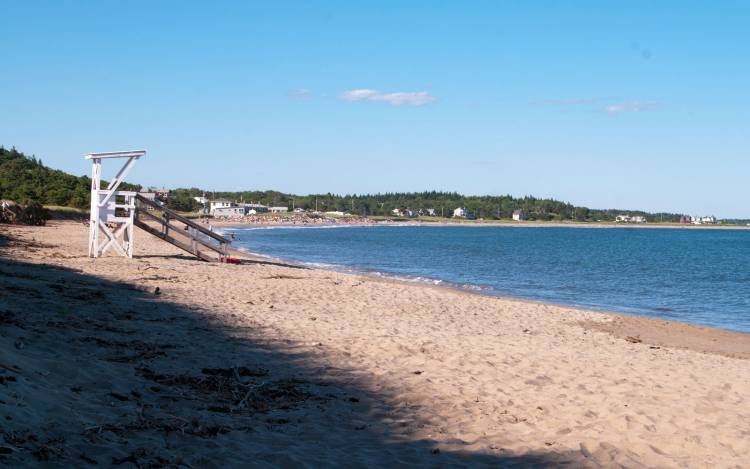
[(232, 260)]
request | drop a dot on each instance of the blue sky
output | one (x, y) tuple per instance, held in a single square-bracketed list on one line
[(604, 104)]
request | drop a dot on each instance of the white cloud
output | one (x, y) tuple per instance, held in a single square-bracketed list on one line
[(630, 106), (410, 98), (569, 102), (301, 94)]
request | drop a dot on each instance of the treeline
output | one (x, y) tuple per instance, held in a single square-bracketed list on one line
[(25, 178), (443, 204)]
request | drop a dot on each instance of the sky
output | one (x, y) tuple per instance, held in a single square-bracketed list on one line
[(633, 105)]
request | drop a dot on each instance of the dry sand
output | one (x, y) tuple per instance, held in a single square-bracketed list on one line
[(263, 365)]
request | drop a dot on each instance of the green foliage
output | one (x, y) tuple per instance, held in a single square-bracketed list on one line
[(182, 200), (33, 213), (26, 178), (487, 207)]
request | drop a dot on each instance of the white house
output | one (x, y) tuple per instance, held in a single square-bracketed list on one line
[(397, 212), (710, 220), (229, 212), (460, 212), (630, 219), (278, 209), (519, 215), (201, 200), (220, 203)]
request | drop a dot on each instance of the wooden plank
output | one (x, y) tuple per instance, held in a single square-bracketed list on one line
[(221, 249), (184, 220), (115, 154), (173, 241)]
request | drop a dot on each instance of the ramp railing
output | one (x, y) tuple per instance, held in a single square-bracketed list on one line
[(191, 237)]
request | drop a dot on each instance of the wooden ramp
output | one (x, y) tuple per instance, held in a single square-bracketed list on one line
[(190, 237)]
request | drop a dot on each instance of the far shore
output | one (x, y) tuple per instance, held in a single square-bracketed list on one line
[(478, 223)]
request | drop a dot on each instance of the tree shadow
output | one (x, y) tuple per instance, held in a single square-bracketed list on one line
[(99, 372)]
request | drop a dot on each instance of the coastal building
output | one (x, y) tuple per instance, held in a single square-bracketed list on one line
[(278, 209), (221, 203), (519, 215), (708, 220), (201, 200), (259, 208), (397, 212), (229, 212), (460, 212), (429, 212), (630, 219), (147, 194), (686, 219)]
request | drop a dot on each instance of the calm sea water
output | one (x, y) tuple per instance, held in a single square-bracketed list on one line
[(697, 276)]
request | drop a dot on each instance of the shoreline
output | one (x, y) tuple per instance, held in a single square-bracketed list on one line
[(468, 288), (370, 370), (509, 224)]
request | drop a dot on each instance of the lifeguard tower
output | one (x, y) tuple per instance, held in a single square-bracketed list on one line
[(114, 213)]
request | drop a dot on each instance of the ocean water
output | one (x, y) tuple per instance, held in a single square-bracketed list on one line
[(689, 275)]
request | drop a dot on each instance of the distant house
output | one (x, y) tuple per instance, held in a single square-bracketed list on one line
[(229, 212), (147, 194), (710, 220), (519, 215), (429, 212), (221, 203), (201, 200), (278, 209), (630, 219), (397, 212), (259, 208), (460, 212)]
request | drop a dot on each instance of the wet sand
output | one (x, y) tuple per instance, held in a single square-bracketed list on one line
[(163, 360)]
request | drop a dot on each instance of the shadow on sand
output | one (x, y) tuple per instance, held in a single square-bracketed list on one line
[(96, 372)]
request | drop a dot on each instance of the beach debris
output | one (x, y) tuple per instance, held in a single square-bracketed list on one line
[(435, 451), (633, 340), (119, 397), (157, 291), (418, 372), (282, 277), (19, 344), (7, 379)]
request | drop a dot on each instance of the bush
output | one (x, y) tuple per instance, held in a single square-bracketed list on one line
[(32, 213)]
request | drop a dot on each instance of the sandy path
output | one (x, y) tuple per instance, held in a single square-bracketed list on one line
[(413, 369)]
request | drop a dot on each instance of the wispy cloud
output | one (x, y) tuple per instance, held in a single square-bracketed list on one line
[(569, 101), (630, 106), (300, 94), (401, 98)]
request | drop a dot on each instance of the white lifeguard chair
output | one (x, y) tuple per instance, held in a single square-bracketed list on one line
[(112, 211)]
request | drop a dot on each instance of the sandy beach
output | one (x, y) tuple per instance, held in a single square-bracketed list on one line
[(162, 360)]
